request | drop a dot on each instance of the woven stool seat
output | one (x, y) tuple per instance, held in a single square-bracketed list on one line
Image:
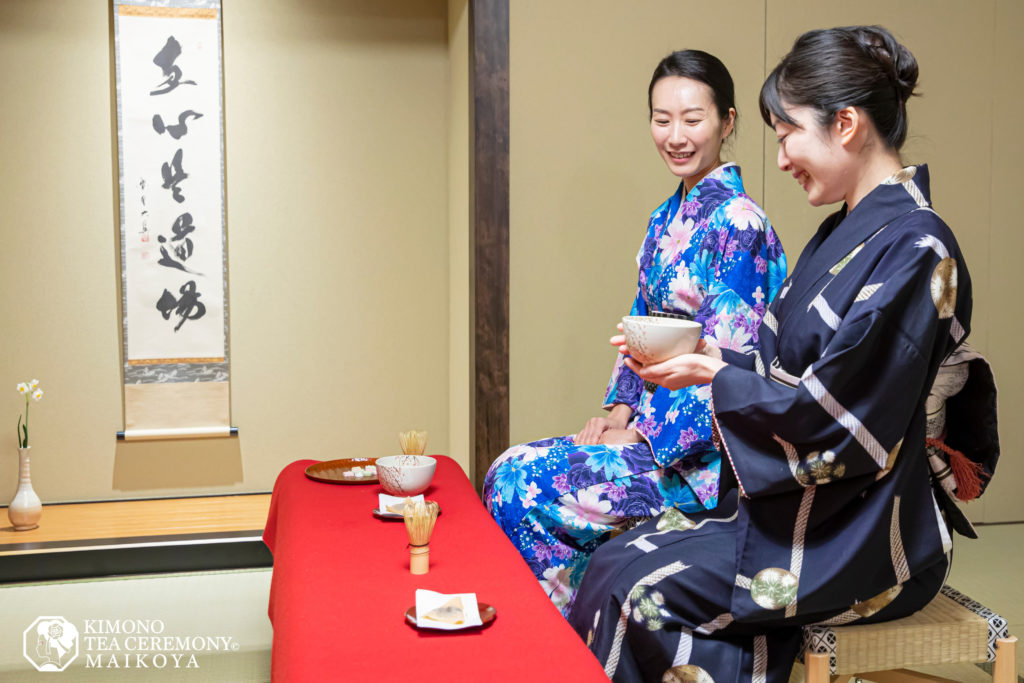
[(951, 629)]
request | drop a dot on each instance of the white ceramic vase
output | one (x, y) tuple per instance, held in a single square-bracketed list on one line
[(26, 508)]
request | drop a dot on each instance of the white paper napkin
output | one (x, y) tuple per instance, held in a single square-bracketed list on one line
[(428, 600), (383, 500)]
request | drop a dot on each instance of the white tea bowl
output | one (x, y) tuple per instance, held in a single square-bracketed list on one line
[(405, 475), (653, 339)]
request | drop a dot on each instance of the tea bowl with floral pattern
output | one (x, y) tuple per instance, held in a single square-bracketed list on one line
[(654, 339)]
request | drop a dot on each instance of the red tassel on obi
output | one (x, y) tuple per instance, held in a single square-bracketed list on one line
[(966, 473)]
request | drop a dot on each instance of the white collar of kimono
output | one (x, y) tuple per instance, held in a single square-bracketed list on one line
[(901, 176)]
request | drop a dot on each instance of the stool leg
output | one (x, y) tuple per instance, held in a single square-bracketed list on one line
[(1005, 669), (816, 667)]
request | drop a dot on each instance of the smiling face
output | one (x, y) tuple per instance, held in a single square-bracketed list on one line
[(813, 155), (686, 127)]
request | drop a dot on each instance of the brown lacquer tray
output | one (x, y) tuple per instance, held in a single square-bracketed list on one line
[(333, 471), (487, 614)]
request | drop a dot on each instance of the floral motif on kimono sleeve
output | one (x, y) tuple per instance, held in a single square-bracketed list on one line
[(849, 412), (739, 264), (625, 386)]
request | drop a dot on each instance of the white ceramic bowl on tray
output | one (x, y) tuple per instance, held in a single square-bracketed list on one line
[(653, 339), (405, 475)]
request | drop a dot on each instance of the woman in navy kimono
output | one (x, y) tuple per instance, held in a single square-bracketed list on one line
[(709, 254), (832, 518)]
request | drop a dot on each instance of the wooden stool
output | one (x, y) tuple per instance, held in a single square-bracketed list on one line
[(951, 629)]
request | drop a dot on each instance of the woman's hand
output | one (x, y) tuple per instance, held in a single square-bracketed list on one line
[(699, 367), (616, 437), (616, 420), (681, 371)]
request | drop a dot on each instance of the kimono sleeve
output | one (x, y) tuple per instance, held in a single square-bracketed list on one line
[(850, 410), (742, 360), (741, 265), (625, 386)]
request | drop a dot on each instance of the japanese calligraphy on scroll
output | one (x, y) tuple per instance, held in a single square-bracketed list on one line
[(170, 149)]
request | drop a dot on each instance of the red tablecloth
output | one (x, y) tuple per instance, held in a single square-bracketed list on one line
[(341, 586)]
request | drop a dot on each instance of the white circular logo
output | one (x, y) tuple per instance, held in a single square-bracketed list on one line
[(50, 643)]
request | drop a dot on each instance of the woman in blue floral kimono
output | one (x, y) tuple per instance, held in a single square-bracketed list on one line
[(710, 254), (832, 517)]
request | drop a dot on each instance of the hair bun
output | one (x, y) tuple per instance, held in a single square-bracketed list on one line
[(847, 66), (896, 61), (906, 72)]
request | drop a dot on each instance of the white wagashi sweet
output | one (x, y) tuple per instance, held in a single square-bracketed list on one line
[(400, 507), (358, 472), (450, 612)]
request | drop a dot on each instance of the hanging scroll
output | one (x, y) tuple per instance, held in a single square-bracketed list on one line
[(171, 162)]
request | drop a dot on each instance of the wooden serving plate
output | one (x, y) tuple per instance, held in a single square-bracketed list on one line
[(333, 471), (487, 614)]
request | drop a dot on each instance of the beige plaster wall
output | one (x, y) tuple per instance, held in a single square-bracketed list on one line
[(1006, 243), (336, 116), (347, 196), (585, 174)]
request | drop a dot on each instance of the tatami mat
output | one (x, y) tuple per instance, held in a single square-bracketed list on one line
[(988, 570)]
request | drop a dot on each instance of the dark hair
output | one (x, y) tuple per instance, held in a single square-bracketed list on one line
[(849, 66), (698, 66)]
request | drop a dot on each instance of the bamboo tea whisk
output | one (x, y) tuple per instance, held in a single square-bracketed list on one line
[(413, 442), (419, 523)]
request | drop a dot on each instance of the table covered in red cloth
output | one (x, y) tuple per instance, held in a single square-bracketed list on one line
[(341, 585)]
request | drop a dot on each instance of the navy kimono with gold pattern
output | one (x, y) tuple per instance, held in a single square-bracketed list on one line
[(834, 518)]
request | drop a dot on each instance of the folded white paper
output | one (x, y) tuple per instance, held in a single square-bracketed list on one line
[(383, 500), (426, 601)]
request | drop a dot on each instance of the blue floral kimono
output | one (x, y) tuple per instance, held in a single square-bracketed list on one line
[(712, 256), (835, 520)]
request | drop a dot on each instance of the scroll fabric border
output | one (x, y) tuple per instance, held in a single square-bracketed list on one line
[(173, 257)]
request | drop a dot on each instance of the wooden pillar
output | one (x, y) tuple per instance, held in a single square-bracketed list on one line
[(489, 210)]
